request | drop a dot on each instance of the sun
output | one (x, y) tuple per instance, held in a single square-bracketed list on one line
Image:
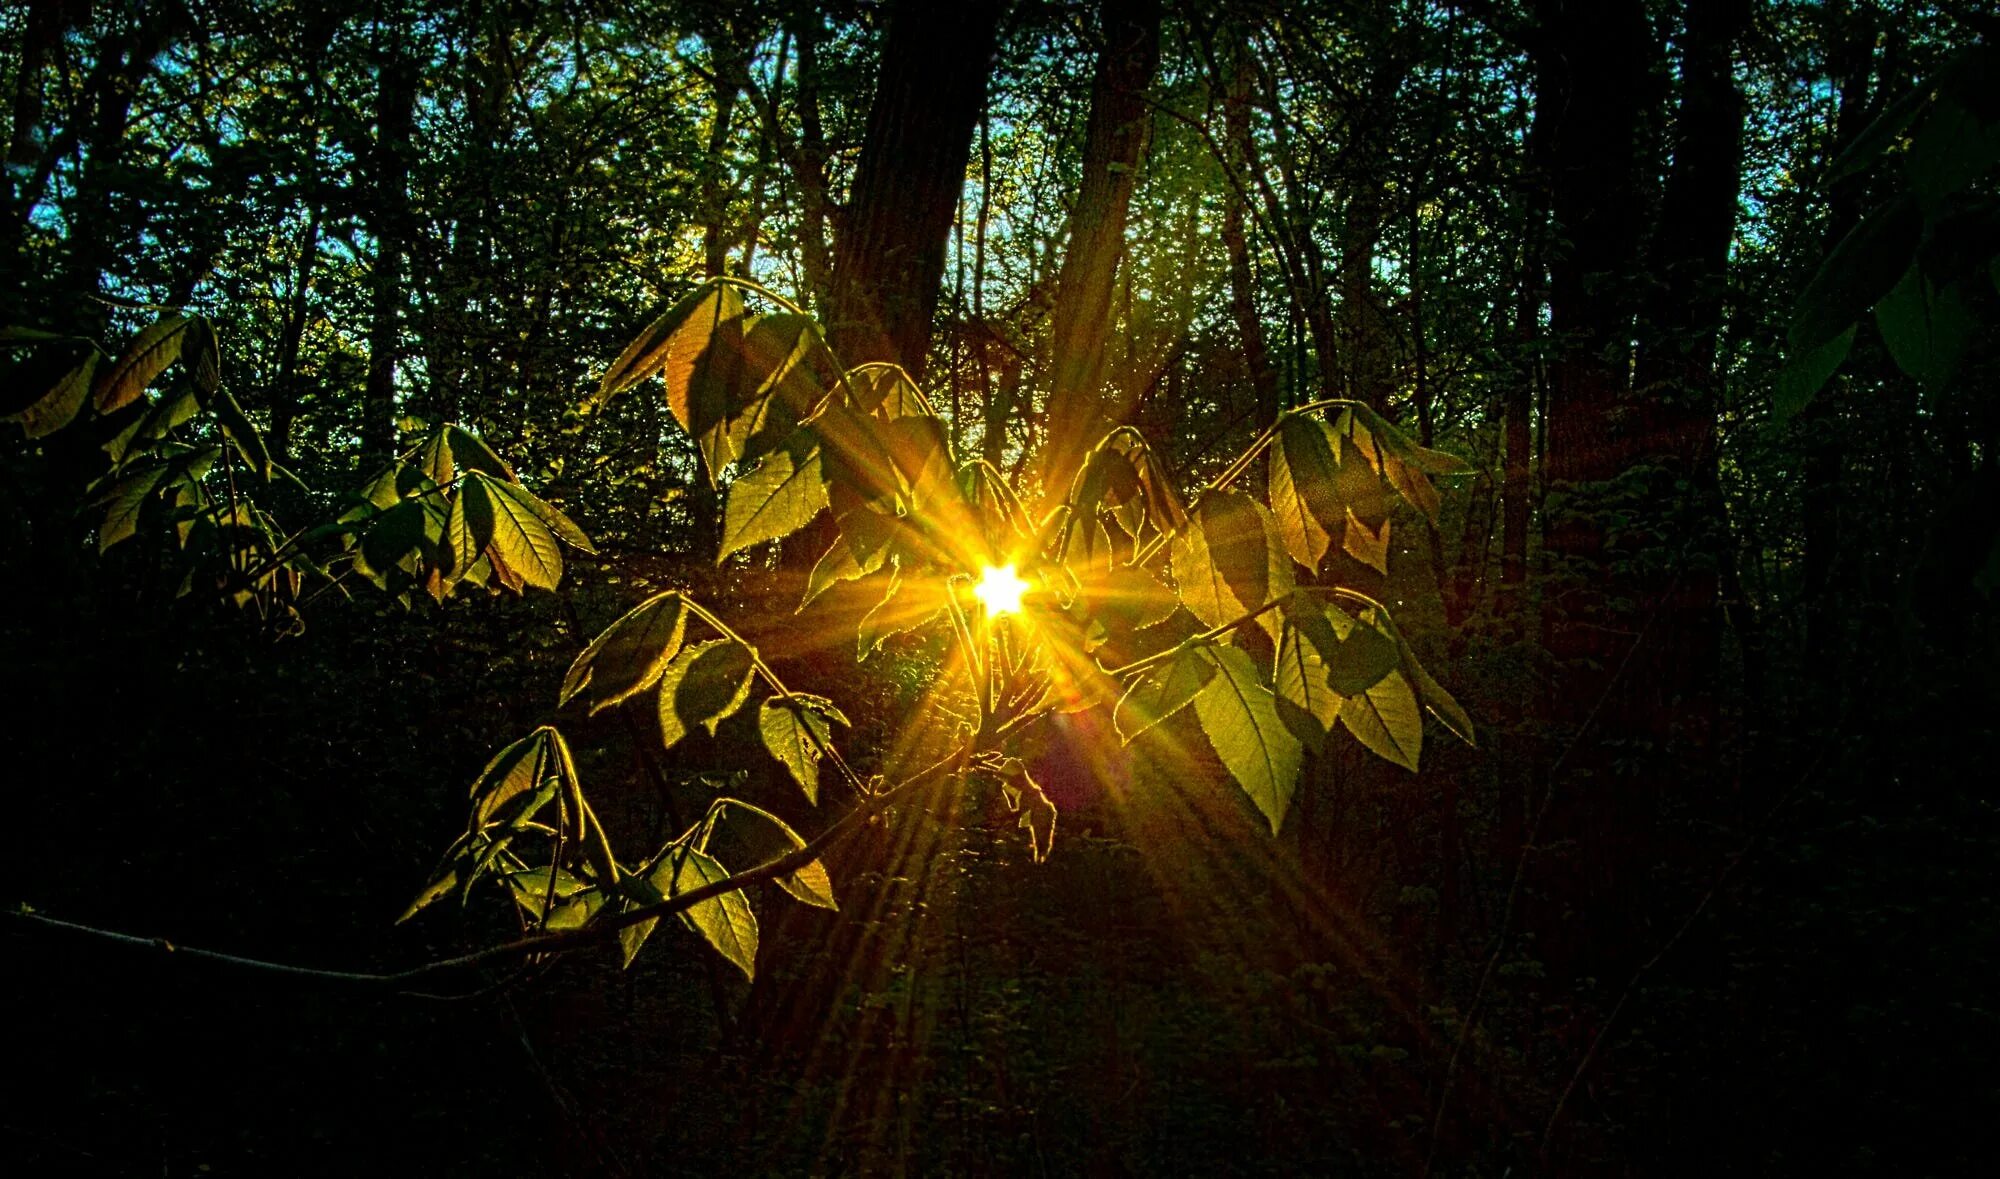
[(1000, 590)]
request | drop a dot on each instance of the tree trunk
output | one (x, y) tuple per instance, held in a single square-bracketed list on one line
[(1242, 278), (389, 224), (890, 249), (1588, 59), (1080, 325)]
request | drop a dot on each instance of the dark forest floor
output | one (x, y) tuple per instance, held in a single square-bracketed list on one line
[(1173, 992)]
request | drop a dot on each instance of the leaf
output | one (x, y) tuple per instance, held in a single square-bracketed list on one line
[(516, 772), (1303, 501), (838, 563), (672, 345), (1162, 692), (1437, 700), (391, 538), (1228, 561), (789, 728), (1366, 545), (1127, 598), (145, 358), (779, 497), (1366, 654), (1926, 329), (702, 685), (1861, 269), (1385, 718), (1301, 682), (58, 407), (1805, 372), (522, 541), (469, 452), (236, 424), (553, 520), (1240, 716), (628, 656), (725, 921), (432, 891), (810, 884), (1953, 149), (201, 352), (124, 502)]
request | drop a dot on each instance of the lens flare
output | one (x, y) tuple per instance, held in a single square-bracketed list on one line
[(999, 590)]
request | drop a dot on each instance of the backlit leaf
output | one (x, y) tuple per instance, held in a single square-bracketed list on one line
[(58, 407), (789, 728), (702, 685), (145, 358), (1163, 691), (1385, 718), (523, 542), (1240, 716), (779, 497), (1303, 499), (1228, 561), (725, 921), (628, 656)]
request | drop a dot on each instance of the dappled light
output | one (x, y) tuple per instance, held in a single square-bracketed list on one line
[(999, 588)]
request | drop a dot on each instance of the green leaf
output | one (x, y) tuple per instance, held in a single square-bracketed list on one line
[(677, 346), (1240, 716), (123, 503), (628, 656), (725, 921), (702, 685), (1861, 269), (432, 891), (236, 424), (1301, 682), (1805, 372), (1227, 562), (839, 563), (1953, 149), (201, 353), (779, 497), (1303, 499), (1163, 691), (1926, 329), (392, 538), (519, 537), (789, 727), (810, 884), (1437, 700), (148, 355), (468, 452), (552, 519), (58, 407), (1365, 655), (1385, 718)]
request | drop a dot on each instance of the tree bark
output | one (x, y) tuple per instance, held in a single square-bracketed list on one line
[(1080, 324), (389, 224), (890, 249)]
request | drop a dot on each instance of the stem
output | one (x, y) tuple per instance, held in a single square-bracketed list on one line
[(560, 940), (770, 677), (1206, 636), (1235, 469)]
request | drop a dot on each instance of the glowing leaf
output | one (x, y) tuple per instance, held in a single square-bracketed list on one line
[(1240, 716), (628, 656)]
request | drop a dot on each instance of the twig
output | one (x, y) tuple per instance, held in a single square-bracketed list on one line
[(555, 942)]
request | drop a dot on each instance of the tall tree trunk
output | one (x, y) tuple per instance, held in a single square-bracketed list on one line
[(1676, 403), (1080, 324), (389, 224), (890, 249), (1242, 276), (1589, 57)]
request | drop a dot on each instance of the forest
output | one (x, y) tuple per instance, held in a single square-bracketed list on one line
[(1005, 587)]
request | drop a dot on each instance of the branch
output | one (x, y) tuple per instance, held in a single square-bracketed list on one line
[(542, 943)]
